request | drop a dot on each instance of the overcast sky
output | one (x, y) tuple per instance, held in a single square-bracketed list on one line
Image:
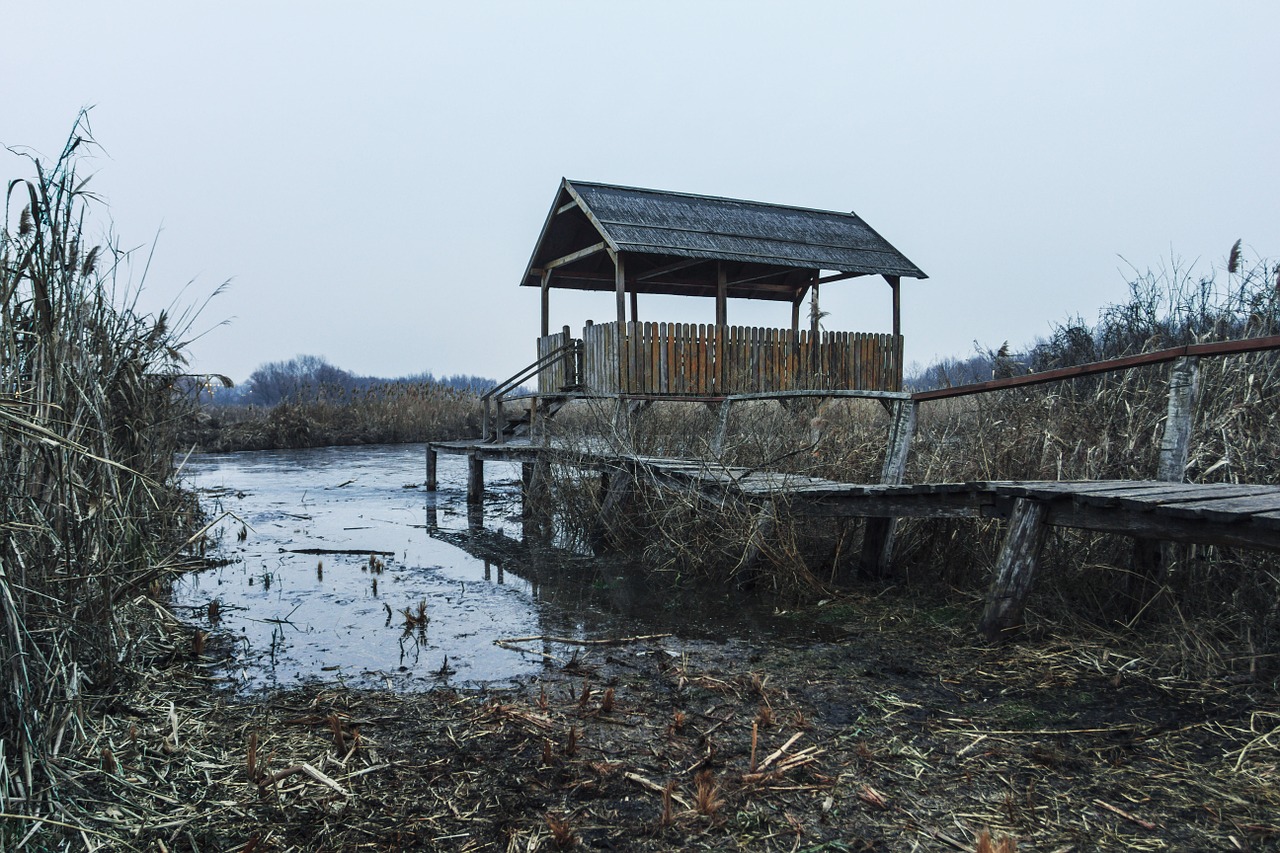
[(370, 178)]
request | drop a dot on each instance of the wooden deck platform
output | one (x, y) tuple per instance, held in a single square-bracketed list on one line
[(1245, 516)]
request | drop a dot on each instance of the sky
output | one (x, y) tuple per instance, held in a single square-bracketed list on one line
[(369, 179)]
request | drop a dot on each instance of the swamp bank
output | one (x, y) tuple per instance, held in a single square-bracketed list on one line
[(871, 720)]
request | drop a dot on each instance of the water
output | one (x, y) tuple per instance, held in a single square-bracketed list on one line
[(298, 617)]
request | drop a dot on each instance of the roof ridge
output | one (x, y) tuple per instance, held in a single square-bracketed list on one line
[(704, 197)]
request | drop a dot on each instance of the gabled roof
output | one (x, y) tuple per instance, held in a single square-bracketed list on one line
[(672, 241)]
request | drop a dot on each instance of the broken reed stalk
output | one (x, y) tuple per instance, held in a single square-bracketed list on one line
[(90, 395)]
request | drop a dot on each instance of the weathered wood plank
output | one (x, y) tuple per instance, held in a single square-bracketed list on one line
[(1015, 569), (879, 533), (1184, 376)]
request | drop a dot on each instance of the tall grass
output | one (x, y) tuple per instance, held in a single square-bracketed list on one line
[(90, 514)]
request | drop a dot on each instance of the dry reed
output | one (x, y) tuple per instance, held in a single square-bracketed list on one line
[(89, 392), (1102, 427)]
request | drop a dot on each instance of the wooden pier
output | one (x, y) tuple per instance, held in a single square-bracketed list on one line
[(1245, 516), (1159, 510)]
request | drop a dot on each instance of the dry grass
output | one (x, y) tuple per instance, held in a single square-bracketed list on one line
[(89, 391)]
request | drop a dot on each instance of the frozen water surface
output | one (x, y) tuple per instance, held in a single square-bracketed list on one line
[(332, 616)]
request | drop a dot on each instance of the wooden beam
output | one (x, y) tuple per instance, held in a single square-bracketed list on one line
[(722, 295), (669, 268), (840, 276), (751, 278), (634, 304), (546, 303), (620, 288), (796, 302), (565, 208), (894, 284), (1015, 569), (574, 256)]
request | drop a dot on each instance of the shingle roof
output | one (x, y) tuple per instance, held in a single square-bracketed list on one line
[(674, 241), (694, 226)]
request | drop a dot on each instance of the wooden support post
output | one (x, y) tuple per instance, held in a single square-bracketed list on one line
[(475, 479), (815, 330), (635, 312), (1152, 559), (567, 363), (620, 331), (535, 478), (879, 533), (618, 486), (1015, 569), (1175, 444), (431, 468), (620, 288), (526, 488), (796, 302), (722, 429), (546, 303), (757, 549), (722, 295), (894, 284)]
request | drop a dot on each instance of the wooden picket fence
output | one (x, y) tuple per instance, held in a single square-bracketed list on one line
[(696, 360)]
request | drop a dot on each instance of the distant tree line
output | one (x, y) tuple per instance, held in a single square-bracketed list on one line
[(308, 378)]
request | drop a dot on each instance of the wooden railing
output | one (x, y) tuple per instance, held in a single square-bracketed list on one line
[(683, 359)]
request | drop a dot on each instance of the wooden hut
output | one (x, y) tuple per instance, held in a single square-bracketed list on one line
[(637, 241)]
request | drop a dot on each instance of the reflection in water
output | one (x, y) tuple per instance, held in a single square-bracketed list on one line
[(447, 581)]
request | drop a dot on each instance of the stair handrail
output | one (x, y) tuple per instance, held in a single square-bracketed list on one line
[(516, 380)]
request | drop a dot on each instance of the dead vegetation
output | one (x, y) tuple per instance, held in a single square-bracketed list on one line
[(1216, 604), (900, 734), (390, 413), (92, 523), (896, 732)]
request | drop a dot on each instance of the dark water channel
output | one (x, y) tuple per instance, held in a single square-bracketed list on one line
[(302, 617)]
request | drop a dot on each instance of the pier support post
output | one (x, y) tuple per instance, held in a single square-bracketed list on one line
[(1015, 569), (879, 533), (431, 468), (722, 429), (762, 528), (619, 485), (475, 479), (535, 477), (1175, 443), (1152, 559)]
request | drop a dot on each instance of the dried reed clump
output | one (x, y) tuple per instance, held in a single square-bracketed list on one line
[(92, 518), (389, 413), (1100, 427), (1109, 427)]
